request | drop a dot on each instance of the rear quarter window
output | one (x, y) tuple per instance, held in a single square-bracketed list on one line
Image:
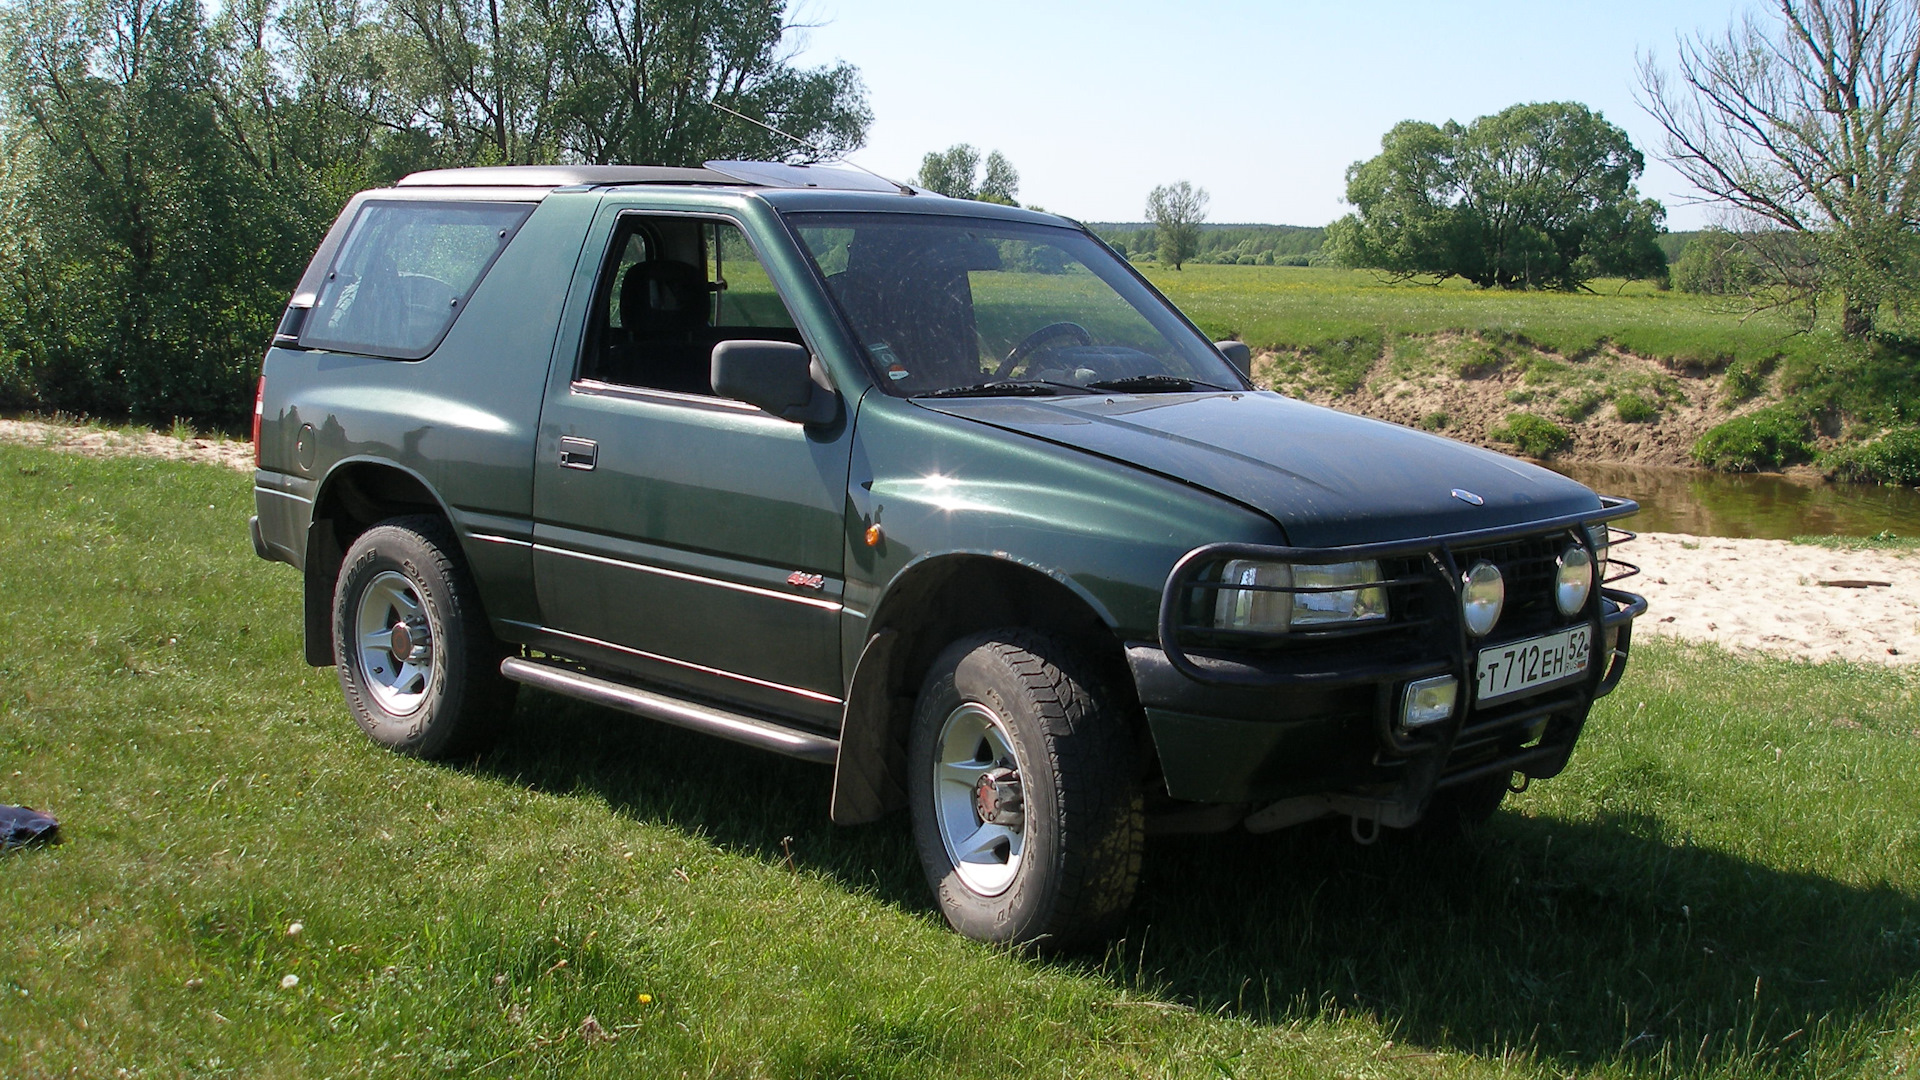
[(404, 273)]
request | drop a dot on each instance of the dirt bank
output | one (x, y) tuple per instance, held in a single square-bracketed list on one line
[(104, 442), (1616, 406)]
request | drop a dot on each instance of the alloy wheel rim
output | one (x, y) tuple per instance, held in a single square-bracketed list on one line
[(394, 639), (973, 743)]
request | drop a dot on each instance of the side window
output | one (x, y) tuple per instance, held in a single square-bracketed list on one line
[(745, 296), (671, 289), (403, 274)]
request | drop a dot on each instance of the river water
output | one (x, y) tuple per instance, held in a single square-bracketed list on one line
[(1749, 505)]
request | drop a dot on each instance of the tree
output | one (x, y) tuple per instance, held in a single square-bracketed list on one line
[(167, 166), (955, 172), (1535, 196), (1809, 123), (1716, 263), (640, 75), (1176, 211), (142, 251)]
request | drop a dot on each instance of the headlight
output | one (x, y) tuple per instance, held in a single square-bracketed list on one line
[(1341, 593), (1572, 580), (1482, 594)]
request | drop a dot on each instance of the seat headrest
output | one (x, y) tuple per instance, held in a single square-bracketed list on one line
[(663, 296)]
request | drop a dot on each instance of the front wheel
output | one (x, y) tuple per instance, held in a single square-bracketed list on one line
[(417, 661), (1026, 807)]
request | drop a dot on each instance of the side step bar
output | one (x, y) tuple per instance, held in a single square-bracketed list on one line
[(706, 718)]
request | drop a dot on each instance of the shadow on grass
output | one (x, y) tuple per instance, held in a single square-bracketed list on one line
[(1581, 943)]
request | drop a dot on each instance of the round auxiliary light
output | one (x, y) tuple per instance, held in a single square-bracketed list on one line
[(1573, 580), (1482, 594)]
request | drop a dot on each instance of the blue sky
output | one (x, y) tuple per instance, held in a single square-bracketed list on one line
[(1262, 104)]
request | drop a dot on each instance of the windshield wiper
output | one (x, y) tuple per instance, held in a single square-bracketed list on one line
[(1149, 384), (1004, 388)]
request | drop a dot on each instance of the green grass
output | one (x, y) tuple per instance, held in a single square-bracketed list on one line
[(1885, 541), (1300, 308), (1725, 882)]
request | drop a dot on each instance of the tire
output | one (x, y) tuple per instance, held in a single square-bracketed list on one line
[(446, 696), (1017, 715)]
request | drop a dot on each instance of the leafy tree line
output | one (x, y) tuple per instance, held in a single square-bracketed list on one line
[(1245, 245), (165, 171)]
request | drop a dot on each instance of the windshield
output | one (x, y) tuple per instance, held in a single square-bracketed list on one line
[(960, 306)]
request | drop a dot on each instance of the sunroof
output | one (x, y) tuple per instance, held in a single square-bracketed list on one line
[(777, 174)]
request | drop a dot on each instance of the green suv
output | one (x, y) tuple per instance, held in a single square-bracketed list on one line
[(941, 494)]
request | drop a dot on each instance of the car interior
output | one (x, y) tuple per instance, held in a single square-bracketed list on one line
[(670, 290)]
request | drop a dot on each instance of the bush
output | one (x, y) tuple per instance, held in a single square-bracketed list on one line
[(1479, 360), (1746, 378), (1634, 409), (1534, 436), (1768, 438), (1579, 404), (1716, 263), (1893, 458), (1435, 421), (1344, 362)]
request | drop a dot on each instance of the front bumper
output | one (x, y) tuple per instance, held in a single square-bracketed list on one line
[(1252, 726)]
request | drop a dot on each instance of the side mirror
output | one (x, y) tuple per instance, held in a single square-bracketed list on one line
[(777, 376), (1238, 355)]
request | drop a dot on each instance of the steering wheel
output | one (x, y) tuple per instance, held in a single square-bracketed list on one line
[(1032, 342)]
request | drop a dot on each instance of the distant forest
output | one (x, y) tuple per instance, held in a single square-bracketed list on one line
[(1266, 245), (1247, 245)]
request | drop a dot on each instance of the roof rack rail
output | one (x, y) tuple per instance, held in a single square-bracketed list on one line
[(552, 176)]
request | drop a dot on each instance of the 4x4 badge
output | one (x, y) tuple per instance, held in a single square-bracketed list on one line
[(1469, 497), (800, 579)]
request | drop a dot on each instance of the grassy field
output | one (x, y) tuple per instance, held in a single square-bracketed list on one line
[(1725, 883), (1320, 309)]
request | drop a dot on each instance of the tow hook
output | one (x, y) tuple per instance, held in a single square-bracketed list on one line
[(997, 798), (1363, 834)]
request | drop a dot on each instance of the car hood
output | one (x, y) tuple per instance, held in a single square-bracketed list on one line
[(1328, 478)]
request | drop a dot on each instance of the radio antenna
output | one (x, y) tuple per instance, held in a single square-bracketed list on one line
[(843, 159)]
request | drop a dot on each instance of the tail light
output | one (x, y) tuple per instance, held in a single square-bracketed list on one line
[(259, 409)]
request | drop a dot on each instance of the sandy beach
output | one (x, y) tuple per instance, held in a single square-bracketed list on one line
[(1794, 600), (1791, 600)]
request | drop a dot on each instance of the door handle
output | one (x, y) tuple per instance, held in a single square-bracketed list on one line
[(578, 453)]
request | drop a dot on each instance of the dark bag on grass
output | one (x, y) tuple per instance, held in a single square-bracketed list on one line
[(21, 825)]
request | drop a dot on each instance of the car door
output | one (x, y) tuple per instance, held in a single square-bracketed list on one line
[(679, 536)]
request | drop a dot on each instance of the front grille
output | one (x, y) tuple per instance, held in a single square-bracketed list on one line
[(1419, 602), (1528, 566), (1422, 633)]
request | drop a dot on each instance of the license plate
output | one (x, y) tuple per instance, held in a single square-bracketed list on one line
[(1514, 668)]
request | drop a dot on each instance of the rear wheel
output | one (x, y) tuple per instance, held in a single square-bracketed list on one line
[(1026, 808), (417, 661)]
